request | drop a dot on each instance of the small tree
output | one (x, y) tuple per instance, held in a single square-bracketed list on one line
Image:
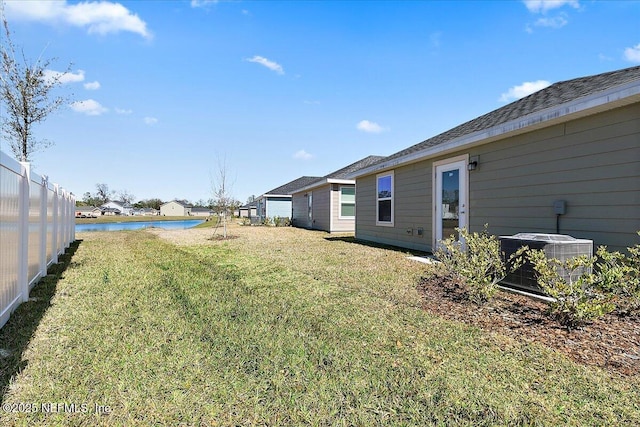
[(26, 95), (221, 186)]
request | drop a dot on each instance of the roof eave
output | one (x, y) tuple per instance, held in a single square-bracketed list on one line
[(323, 182), (616, 97)]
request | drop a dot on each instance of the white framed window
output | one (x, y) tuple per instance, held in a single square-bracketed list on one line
[(347, 202), (384, 199)]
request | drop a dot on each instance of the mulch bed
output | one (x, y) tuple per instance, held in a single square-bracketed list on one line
[(612, 342)]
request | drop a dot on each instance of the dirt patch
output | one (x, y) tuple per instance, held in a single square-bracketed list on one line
[(612, 342)]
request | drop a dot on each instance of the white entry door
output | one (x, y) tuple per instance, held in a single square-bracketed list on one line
[(450, 197)]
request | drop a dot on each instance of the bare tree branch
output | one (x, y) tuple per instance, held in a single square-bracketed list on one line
[(26, 94), (221, 187)]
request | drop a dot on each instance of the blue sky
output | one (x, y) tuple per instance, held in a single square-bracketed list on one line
[(164, 89)]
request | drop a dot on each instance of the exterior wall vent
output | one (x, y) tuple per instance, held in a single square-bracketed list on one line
[(559, 246)]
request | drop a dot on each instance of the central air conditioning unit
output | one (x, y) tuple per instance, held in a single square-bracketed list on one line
[(559, 246)]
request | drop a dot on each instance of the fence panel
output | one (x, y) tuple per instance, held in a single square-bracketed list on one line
[(36, 225)]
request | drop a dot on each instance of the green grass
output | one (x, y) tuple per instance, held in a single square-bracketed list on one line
[(278, 326)]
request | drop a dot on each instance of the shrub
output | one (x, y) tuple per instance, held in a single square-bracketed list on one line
[(477, 262), (579, 290), (622, 278), (632, 289)]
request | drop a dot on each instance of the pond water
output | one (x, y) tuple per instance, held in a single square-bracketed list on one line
[(119, 226)]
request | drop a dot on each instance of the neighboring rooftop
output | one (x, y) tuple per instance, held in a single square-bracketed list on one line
[(184, 203), (353, 167), (290, 187)]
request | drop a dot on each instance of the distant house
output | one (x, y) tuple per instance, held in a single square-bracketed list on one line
[(88, 212), (117, 208), (277, 202), (146, 212), (565, 159), (201, 212), (176, 208), (110, 211), (329, 203), (247, 211)]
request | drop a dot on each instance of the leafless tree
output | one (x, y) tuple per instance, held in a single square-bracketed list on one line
[(27, 98), (103, 194), (221, 186), (126, 197)]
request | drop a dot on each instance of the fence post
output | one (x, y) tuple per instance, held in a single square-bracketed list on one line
[(54, 233), (23, 230), (72, 218), (43, 226), (63, 220)]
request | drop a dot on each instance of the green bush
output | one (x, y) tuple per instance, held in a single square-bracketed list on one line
[(579, 290), (621, 277), (477, 262), (632, 285)]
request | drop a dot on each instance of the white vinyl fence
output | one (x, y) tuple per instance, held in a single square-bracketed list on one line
[(37, 223)]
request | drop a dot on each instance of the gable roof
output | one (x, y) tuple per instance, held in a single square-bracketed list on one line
[(353, 167), (182, 203), (290, 187), (559, 102), (342, 175)]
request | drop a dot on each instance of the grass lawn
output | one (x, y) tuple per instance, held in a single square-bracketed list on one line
[(278, 326), (132, 218)]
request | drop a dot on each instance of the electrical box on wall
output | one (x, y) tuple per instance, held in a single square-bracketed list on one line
[(560, 207)]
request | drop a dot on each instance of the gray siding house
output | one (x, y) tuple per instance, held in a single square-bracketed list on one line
[(576, 143), (329, 203), (277, 202)]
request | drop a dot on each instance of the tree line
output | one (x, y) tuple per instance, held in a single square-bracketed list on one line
[(104, 195)]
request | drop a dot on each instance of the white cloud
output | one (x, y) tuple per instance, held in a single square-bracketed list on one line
[(520, 91), (632, 54), (150, 121), (302, 155), (101, 17), (202, 3), (123, 111), (89, 107), (370, 127), (65, 77), (555, 22), (274, 66), (543, 6), (92, 86)]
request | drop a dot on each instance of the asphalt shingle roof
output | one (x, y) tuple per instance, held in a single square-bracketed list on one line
[(554, 95), (290, 187), (353, 167)]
